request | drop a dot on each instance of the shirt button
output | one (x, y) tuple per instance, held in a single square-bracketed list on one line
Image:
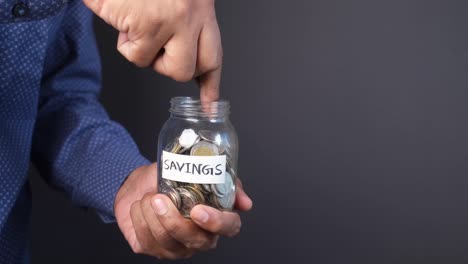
[(20, 10)]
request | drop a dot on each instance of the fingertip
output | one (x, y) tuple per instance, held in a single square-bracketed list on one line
[(247, 203), (199, 215), (243, 202), (159, 204), (203, 214)]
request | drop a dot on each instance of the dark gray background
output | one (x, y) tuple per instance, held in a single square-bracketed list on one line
[(352, 118)]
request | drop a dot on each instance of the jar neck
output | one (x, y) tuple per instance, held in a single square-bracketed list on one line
[(190, 108)]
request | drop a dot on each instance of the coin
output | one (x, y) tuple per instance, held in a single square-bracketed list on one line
[(170, 183), (228, 163), (190, 197), (233, 174), (226, 202), (214, 137), (209, 136), (204, 148), (175, 147), (188, 201), (173, 195), (230, 169), (227, 152), (198, 187), (206, 188), (200, 198), (221, 149), (188, 138), (215, 202), (185, 150), (225, 188)]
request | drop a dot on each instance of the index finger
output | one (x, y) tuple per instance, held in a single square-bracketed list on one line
[(209, 86), (209, 61)]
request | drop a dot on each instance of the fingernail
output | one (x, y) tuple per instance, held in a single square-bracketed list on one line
[(201, 216), (160, 206)]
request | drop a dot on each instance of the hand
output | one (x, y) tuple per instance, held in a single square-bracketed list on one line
[(153, 226), (178, 38)]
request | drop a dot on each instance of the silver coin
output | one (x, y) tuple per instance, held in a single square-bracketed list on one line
[(182, 150), (170, 183), (204, 148), (228, 163), (190, 197), (188, 201), (227, 152), (173, 195), (227, 202), (206, 188), (213, 200), (188, 138), (233, 174), (208, 135), (222, 150), (225, 188), (230, 169)]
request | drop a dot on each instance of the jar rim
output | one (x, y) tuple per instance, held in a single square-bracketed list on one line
[(188, 106)]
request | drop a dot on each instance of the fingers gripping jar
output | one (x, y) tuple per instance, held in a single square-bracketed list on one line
[(197, 155)]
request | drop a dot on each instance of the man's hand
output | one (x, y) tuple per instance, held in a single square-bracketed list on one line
[(153, 226), (178, 38)]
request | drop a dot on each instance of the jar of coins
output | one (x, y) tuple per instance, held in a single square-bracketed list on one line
[(197, 155)]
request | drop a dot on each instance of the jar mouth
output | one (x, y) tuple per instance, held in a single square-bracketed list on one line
[(186, 106)]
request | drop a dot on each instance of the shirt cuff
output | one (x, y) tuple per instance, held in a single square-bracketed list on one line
[(106, 172)]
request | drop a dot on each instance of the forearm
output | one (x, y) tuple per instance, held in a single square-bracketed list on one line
[(83, 153), (76, 147)]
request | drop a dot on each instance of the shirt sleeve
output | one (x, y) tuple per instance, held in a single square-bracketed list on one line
[(76, 147)]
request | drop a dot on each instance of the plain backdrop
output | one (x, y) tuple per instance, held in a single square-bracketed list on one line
[(353, 126)]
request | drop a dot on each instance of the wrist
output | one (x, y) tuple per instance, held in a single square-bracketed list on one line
[(141, 181)]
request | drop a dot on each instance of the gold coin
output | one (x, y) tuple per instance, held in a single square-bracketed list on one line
[(199, 197), (204, 148), (197, 187), (176, 147)]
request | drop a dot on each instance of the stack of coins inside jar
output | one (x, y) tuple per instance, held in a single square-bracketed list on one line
[(186, 195)]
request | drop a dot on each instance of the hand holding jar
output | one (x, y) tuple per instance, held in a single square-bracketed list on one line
[(199, 186)]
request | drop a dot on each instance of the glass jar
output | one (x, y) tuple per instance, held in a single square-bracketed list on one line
[(197, 155)]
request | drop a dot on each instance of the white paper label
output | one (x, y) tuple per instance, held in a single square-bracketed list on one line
[(193, 169)]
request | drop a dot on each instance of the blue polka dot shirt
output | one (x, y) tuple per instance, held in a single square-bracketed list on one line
[(49, 115)]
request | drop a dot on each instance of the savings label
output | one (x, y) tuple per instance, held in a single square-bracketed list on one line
[(193, 169)]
